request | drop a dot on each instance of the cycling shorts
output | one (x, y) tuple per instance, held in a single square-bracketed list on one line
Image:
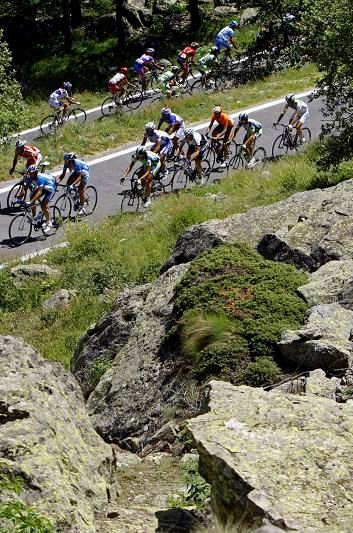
[(84, 176), (114, 87), (302, 115), (192, 149), (139, 69), (183, 62), (55, 103), (47, 193), (222, 43), (166, 148), (180, 133)]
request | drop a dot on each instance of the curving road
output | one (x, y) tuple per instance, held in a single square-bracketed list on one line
[(106, 171)]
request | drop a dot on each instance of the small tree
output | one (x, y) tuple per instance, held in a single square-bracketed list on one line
[(11, 102)]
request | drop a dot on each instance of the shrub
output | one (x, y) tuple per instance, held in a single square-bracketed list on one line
[(97, 371), (261, 372), (197, 490)]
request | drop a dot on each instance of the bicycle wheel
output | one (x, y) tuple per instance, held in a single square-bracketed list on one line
[(13, 197), (196, 86), (91, 199), (180, 178), (77, 115), (56, 219), (64, 204), (260, 157), (49, 125), (206, 172), (236, 163), (20, 229), (279, 146), (130, 202), (307, 136), (210, 156), (109, 107), (157, 189), (133, 98)]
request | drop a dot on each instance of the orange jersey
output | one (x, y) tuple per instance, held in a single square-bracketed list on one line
[(223, 120)]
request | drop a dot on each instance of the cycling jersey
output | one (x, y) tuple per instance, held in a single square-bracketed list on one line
[(207, 60), (150, 162), (31, 153), (225, 34), (198, 139), (252, 126), (166, 77), (59, 94), (117, 79), (160, 136), (47, 183), (187, 52), (173, 120), (80, 167), (145, 58), (223, 120), (298, 105)]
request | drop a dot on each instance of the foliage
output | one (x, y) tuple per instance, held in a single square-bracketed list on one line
[(197, 490), (17, 296), (19, 517), (232, 306), (261, 372), (11, 103), (98, 370)]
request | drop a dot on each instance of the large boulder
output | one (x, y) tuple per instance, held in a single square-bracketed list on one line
[(47, 440), (324, 341), (277, 458), (33, 271), (129, 399), (308, 230)]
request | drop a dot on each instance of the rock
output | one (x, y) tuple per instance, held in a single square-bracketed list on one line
[(324, 341), (32, 270), (156, 458), (187, 457), (103, 341), (59, 300), (46, 438), (276, 457), (308, 230), (268, 529), (166, 433), (215, 197), (225, 9), (318, 384), (134, 519), (330, 283), (128, 400)]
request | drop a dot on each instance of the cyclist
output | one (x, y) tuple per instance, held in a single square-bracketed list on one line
[(224, 130), (60, 99), (116, 85), (44, 185), (79, 175), (253, 130), (185, 57), (162, 143), (151, 166), (208, 61), (168, 81), (299, 116), (175, 123), (197, 144), (143, 65), (225, 37), (29, 152)]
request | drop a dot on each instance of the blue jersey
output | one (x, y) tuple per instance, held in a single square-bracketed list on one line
[(79, 166), (173, 119), (160, 136), (225, 34), (46, 181)]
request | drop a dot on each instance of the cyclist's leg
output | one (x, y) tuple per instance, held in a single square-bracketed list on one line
[(228, 137), (81, 188), (302, 116), (72, 179)]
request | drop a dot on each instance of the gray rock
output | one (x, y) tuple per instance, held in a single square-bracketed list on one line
[(330, 283), (308, 229), (32, 270), (276, 457), (127, 402), (103, 341), (324, 341), (318, 384), (47, 439), (166, 433), (59, 300)]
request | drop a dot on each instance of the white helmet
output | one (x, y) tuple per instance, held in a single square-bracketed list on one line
[(188, 132), (150, 126), (217, 109)]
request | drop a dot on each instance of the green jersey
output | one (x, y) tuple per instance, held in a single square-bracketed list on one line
[(166, 77)]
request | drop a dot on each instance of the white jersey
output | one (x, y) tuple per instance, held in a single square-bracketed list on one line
[(160, 136), (298, 105), (59, 94), (197, 140), (117, 78)]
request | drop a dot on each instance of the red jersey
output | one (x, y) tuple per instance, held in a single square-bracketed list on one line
[(187, 52), (31, 153)]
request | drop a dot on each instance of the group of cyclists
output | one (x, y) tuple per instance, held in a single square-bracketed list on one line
[(165, 143)]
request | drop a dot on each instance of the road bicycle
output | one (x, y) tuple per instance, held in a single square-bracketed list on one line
[(133, 198), (289, 140), (132, 99), (69, 201), (22, 225), (214, 152), (241, 159), (51, 123), (183, 173), (19, 191)]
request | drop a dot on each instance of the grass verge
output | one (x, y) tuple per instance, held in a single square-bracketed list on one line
[(110, 133)]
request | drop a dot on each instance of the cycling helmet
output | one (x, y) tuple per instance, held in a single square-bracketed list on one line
[(69, 156), (150, 50), (166, 111), (194, 45), (290, 98), (243, 117), (218, 109), (32, 168), (233, 24), (188, 132), (175, 69), (67, 85), (141, 151), (20, 143), (150, 126), (123, 70), (289, 18)]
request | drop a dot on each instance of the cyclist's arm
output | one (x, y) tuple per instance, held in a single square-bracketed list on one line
[(158, 65), (156, 147), (250, 139), (36, 194), (72, 100), (195, 154), (148, 171), (62, 175), (294, 119), (144, 140), (14, 163), (220, 135), (179, 148), (128, 170), (282, 114), (160, 124), (236, 131), (209, 126)]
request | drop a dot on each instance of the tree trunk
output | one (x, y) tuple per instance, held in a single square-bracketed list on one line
[(119, 24), (76, 13), (195, 14), (67, 25)]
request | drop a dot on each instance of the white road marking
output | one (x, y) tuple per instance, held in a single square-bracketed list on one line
[(197, 127), (34, 254)]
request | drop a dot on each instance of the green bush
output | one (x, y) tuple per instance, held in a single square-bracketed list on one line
[(197, 490), (261, 372), (232, 306), (97, 371)]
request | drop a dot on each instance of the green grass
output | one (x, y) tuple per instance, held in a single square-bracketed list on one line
[(129, 249), (96, 137)]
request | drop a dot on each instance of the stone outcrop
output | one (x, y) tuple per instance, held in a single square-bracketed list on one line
[(308, 230), (130, 397), (33, 270), (277, 458), (59, 300), (46, 439), (324, 341)]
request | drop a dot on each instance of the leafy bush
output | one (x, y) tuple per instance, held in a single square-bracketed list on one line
[(261, 372), (97, 371), (197, 490), (231, 307)]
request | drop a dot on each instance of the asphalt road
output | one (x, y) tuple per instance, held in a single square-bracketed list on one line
[(106, 171)]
